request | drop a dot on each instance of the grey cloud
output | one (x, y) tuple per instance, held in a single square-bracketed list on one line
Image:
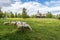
[(6, 2)]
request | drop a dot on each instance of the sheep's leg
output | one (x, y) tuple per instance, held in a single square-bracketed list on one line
[(19, 29), (22, 29)]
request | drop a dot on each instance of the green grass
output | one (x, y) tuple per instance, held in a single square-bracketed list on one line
[(43, 29)]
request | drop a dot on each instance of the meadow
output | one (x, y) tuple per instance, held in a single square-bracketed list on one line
[(43, 29)]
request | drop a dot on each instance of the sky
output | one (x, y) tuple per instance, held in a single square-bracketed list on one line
[(32, 6)]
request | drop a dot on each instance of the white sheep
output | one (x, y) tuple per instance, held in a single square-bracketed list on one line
[(21, 25), (6, 23), (27, 27), (14, 23)]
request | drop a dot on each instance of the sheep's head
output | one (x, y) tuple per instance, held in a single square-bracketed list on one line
[(15, 24)]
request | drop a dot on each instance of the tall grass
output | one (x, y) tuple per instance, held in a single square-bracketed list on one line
[(43, 29)]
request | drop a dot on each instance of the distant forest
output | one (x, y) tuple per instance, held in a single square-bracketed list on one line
[(25, 15)]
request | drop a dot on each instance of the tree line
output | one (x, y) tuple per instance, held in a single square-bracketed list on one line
[(25, 15), (14, 15)]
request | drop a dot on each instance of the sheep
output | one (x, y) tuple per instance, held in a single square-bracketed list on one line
[(27, 27), (21, 25), (14, 23), (6, 23)]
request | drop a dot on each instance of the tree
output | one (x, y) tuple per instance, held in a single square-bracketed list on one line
[(4, 15), (28, 16), (12, 15), (33, 16), (39, 13), (49, 15), (15, 15), (1, 13), (19, 15), (8, 15), (24, 13), (58, 16)]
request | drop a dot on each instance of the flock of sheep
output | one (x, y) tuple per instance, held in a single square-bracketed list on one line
[(20, 25)]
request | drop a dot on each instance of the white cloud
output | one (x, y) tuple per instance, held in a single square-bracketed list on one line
[(54, 6), (7, 2), (53, 3), (4, 1), (32, 7)]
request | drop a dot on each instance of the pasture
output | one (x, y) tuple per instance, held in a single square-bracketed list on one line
[(43, 29)]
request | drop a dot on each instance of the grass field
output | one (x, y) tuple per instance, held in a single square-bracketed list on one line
[(43, 29)]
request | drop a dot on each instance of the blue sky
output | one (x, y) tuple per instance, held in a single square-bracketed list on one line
[(40, 1), (32, 6)]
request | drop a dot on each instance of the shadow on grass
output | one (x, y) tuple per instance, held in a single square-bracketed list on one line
[(17, 35), (27, 35)]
